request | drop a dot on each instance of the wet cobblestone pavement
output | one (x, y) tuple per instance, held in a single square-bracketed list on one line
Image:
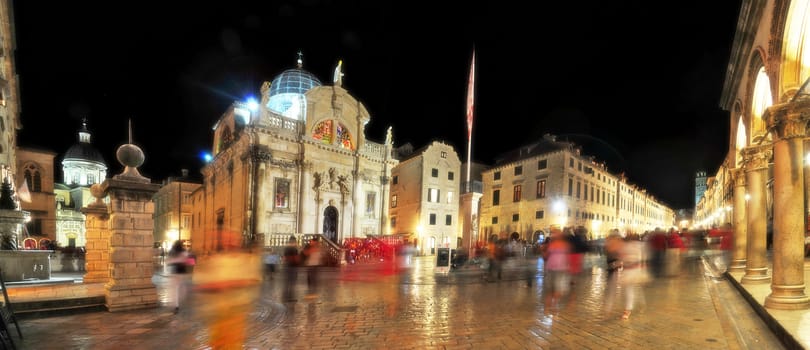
[(366, 307)]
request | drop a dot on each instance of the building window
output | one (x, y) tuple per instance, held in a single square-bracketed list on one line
[(518, 170), (433, 219), (542, 164), (433, 195), (91, 179), (496, 175), (585, 195), (570, 187), (449, 197), (579, 189), (494, 220), (451, 175), (444, 154), (541, 189), (434, 172), (396, 180), (282, 197), (393, 221), (571, 163), (579, 166), (516, 193), (394, 201), (448, 220), (371, 202), (539, 214), (496, 197), (515, 217), (186, 198), (186, 221)]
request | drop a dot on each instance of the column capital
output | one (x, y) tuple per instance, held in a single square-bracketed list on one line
[(788, 120), (738, 176), (757, 157)]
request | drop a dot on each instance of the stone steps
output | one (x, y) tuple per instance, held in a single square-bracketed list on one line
[(58, 307)]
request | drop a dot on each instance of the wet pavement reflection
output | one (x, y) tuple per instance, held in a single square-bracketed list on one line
[(377, 305)]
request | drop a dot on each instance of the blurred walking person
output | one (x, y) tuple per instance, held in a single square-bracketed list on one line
[(226, 285), (634, 272), (556, 279), (178, 268), (312, 260), (291, 260), (613, 249)]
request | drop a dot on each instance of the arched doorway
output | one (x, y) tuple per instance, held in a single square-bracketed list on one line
[(538, 237), (330, 220)]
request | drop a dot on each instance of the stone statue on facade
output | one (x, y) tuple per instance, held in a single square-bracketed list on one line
[(317, 180)]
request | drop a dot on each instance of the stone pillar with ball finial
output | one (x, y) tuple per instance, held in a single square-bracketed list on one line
[(130, 238)]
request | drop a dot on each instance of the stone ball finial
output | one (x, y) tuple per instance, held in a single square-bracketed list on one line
[(130, 155), (99, 194)]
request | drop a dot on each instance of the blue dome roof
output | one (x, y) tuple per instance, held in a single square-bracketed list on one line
[(294, 80)]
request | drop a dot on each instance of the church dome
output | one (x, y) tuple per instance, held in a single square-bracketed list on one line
[(286, 95), (84, 151), (296, 81)]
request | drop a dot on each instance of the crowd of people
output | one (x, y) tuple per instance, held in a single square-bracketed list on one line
[(224, 280)]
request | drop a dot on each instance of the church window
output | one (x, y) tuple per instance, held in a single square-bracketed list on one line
[(323, 132), (282, 193), (33, 178), (344, 137)]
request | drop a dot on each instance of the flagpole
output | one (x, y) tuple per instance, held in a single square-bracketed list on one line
[(470, 108)]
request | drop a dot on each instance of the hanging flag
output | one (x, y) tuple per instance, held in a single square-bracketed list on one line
[(470, 98), (22, 193)]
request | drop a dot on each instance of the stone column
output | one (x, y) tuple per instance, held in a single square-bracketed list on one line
[(788, 123), (469, 226), (738, 259), (756, 160), (97, 224)]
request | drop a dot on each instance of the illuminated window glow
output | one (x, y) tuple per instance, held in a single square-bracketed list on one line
[(761, 101)]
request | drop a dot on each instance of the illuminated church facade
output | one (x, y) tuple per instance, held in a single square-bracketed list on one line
[(296, 162)]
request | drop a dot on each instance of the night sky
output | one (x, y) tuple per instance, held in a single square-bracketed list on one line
[(636, 83)]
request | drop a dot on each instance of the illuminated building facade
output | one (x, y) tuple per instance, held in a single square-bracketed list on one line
[(295, 162), (425, 198), (36, 168), (549, 183), (173, 209), (764, 183)]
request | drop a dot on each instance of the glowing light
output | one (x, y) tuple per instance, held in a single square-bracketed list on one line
[(558, 206), (252, 105), (206, 157), (747, 197)]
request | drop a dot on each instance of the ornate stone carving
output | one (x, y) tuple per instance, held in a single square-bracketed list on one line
[(260, 153), (787, 120), (738, 176), (757, 157)]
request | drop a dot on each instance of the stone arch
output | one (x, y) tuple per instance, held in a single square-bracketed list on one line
[(758, 98), (794, 67), (330, 223)]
